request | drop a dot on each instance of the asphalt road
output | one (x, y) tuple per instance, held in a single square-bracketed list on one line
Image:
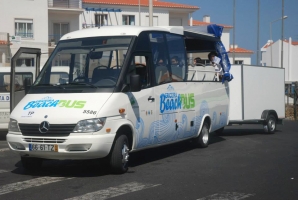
[(244, 163)]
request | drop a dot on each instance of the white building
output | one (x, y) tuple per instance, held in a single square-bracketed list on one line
[(271, 56), (40, 24), (121, 12), (36, 23), (25, 19), (242, 56)]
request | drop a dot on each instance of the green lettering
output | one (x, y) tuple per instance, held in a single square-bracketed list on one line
[(192, 100), (62, 103), (80, 104)]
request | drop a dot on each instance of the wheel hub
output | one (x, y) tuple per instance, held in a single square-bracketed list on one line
[(125, 154), (205, 137)]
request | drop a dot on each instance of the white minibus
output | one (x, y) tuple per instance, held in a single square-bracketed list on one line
[(123, 93)]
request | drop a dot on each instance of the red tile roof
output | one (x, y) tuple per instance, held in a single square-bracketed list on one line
[(293, 42), (287, 41), (156, 3), (240, 50), (3, 42), (200, 23), (267, 45)]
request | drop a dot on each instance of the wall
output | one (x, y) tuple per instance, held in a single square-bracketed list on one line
[(225, 38), (36, 10), (241, 56), (290, 59), (115, 18)]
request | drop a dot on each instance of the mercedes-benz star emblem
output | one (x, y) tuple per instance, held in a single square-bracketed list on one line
[(44, 127)]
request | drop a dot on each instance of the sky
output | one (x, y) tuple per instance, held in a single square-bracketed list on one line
[(246, 19)]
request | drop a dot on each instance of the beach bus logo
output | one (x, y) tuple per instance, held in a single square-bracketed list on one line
[(171, 100), (48, 102)]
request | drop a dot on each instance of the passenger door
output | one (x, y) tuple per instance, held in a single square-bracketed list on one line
[(17, 86), (143, 102)]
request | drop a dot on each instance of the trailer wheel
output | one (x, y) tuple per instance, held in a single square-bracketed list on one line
[(119, 155), (270, 125), (220, 131), (202, 140), (31, 163)]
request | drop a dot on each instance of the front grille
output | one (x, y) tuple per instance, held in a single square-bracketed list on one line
[(54, 129), (44, 140)]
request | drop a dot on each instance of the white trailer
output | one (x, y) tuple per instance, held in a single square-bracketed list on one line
[(257, 96)]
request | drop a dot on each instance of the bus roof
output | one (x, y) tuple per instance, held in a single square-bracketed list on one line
[(132, 31)]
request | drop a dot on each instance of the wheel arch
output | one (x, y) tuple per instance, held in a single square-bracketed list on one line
[(126, 129), (206, 118), (266, 113)]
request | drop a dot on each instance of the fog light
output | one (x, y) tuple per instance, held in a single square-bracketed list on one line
[(16, 146)]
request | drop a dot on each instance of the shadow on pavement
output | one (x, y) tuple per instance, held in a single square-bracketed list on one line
[(92, 168)]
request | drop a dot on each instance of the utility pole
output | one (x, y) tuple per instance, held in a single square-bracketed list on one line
[(258, 34), (234, 31), (282, 36), (139, 12), (150, 13)]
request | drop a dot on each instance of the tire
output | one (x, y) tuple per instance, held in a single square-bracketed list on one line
[(220, 131), (119, 155), (202, 140), (270, 125), (31, 164)]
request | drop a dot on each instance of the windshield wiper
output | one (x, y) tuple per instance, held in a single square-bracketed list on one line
[(47, 84), (83, 83)]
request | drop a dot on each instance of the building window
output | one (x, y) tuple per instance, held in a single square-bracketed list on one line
[(101, 20), (24, 28), (128, 20), (238, 62), (59, 29)]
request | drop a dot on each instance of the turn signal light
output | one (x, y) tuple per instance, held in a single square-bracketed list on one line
[(108, 130), (121, 110)]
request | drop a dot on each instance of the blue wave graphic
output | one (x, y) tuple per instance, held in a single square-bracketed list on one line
[(164, 130)]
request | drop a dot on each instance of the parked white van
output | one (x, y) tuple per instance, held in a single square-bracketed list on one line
[(122, 94)]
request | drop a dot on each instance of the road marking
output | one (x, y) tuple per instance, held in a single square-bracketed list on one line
[(3, 171), (114, 191), (227, 196), (13, 187), (4, 149)]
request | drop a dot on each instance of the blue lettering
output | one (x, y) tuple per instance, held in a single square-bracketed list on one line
[(162, 103), (54, 103), (29, 105)]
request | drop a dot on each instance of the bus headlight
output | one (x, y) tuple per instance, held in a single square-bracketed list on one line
[(13, 126), (89, 125)]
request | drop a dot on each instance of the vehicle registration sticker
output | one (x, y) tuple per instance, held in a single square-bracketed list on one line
[(43, 147)]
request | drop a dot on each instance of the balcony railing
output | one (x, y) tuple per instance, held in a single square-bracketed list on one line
[(24, 35), (72, 4)]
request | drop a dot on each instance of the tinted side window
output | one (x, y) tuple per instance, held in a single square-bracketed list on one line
[(177, 54), (160, 58)]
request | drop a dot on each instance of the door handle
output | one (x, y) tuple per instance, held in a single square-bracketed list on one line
[(151, 98)]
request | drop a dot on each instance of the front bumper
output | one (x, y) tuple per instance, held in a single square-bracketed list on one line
[(73, 147)]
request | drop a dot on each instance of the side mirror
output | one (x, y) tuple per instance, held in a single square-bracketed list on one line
[(27, 85), (135, 83)]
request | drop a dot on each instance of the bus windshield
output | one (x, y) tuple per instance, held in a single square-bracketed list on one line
[(86, 62)]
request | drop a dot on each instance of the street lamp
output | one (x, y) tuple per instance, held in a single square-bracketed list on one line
[(271, 41)]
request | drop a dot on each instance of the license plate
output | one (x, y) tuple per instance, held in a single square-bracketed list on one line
[(43, 147)]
